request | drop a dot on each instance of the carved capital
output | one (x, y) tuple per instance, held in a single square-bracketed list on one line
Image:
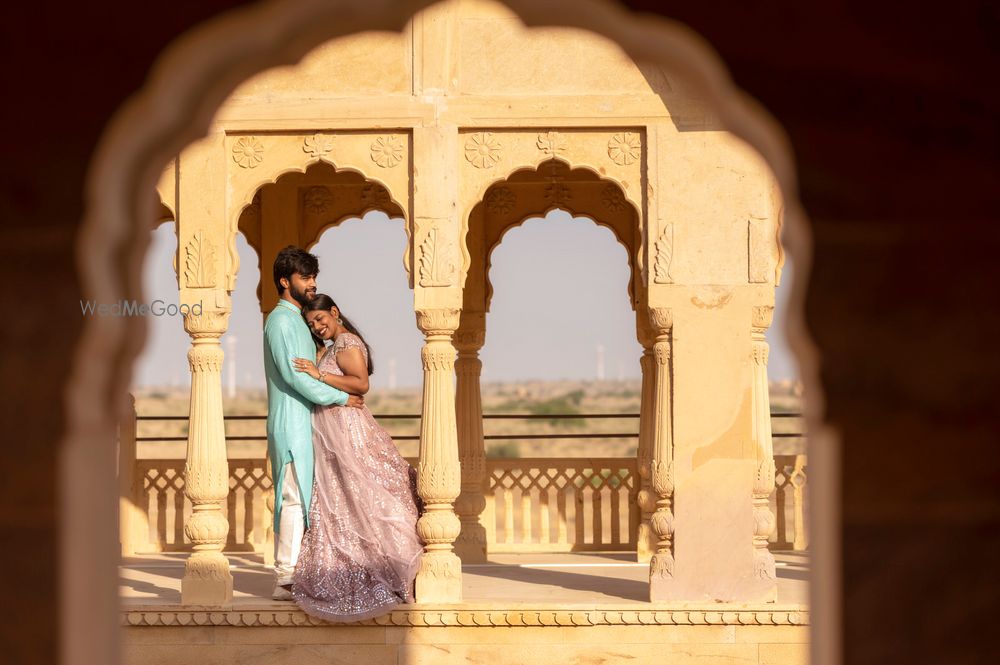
[(469, 340), (662, 319), (663, 477), (437, 322), (206, 323), (762, 317)]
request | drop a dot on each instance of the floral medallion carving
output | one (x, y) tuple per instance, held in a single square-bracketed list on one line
[(317, 200), (557, 193), (613, 199), (375, 196), (437, 266), (482, 150), (199, 262), (664, 255), (624, 148), (248, 152), (501, 201), (318, 145), (551, 143), (387, 151)]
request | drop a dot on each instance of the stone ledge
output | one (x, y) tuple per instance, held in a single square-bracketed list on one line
[(476, 616)]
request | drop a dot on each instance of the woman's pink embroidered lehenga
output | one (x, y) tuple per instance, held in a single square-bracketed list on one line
[(361, 552)]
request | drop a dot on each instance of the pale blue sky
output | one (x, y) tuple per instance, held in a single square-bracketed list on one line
[(550, 276)]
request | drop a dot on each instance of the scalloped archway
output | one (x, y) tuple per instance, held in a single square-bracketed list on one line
[(176, 106), (533, 192), (298, 206)]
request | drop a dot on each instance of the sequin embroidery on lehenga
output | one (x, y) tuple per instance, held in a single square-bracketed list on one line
[(361, 553)]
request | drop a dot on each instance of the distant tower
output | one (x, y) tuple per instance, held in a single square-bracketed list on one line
[(600, 362), (230, 361), (392, 373)]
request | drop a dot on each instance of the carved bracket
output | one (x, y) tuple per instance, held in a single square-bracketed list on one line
[(199, 262), (664, 255), (438, 266)]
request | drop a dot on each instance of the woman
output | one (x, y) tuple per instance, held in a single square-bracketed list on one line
[(361, 553)]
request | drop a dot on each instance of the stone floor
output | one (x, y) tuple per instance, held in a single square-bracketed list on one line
[(570, 578)]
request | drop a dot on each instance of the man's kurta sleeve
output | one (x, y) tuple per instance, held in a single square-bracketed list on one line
[(277, 337)]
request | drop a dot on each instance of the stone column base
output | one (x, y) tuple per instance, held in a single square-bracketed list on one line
[(439, 579)]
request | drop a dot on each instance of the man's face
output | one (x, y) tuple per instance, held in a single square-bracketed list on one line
[(302, 289)]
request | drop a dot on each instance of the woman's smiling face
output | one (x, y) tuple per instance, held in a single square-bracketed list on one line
[(322, 323)]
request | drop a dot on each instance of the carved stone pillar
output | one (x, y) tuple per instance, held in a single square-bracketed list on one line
[(471, 543), (133, 525), (661, 567), (646, 499), (439, 579), (207, 580), (763, 486)]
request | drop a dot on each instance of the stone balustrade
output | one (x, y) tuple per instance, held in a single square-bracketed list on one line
[(532, 505)]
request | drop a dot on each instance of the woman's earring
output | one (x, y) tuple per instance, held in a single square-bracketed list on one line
[(340, 322)]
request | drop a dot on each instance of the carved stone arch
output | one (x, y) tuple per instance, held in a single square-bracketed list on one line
[(326, 197), (552, 184), (163, 213), (175, 106)]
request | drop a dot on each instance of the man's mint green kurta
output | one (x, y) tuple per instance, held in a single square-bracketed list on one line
[(290, 399)]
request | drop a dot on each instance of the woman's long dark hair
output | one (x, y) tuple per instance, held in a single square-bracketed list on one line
[(325, 302)]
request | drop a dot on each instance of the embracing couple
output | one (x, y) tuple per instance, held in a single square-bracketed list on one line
[(345, 501)]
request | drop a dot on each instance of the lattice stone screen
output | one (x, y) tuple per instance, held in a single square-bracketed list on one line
[(561, 505), (532, 504), (167, 507)]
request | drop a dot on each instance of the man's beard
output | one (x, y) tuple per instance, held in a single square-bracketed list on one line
[(301, 297)]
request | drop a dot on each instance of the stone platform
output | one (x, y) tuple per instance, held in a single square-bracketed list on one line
[(517, 609)]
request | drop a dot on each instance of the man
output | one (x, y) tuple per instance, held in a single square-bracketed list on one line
[(290, 398)]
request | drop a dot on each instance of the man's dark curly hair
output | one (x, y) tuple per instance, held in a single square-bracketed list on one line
[(293, 260)]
